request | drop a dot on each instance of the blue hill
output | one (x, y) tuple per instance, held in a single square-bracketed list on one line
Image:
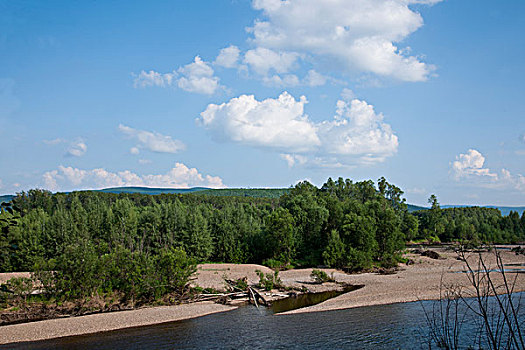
[(504, 210), (149, 190), (6, 198)]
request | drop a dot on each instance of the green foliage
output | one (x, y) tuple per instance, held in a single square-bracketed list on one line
[(20, 287), (241, 283), (277, 264), (269, 281), (84, 243), (334, 254), (319, 276), (281, 234), (470, 224), (174, 268)]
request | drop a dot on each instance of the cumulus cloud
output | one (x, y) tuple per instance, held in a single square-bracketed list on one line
[(356, 134), (180, 176), (77, 149), (470, 163), (228, 57), (470, 167), (358, 35), (287, 80), (312, 78), (263, 60), (197, 77), (152, 141), (152, 78), (293, 159), (275, 123), (358, 131)]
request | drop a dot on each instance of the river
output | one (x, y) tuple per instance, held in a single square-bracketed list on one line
[(397, 326)]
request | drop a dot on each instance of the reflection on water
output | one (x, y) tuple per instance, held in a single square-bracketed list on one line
[(307, 299), (397, 326)]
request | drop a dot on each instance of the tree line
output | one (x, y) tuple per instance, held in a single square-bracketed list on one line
[(340, 224)]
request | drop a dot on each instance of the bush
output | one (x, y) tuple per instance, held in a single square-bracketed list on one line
[(277, 264), (269, 281), (320, 276), (21, 287)]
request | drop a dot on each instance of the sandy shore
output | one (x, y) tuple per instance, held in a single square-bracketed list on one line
[(420, 281), (69, 326)]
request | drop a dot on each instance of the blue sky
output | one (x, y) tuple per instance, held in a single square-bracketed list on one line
[(265, 93)]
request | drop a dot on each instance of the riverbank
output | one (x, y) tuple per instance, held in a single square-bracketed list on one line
[(64, 327), (421, 280), (426, 279)]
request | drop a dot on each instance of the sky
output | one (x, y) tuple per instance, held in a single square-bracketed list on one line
[(265, 93)]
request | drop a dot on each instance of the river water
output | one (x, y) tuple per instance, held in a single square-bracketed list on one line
[(396, 326)]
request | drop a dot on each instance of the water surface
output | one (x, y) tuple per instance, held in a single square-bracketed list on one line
[(396, 326)]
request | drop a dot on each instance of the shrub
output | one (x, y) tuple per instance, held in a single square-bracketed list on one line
[(320, 276), (269, 281), (277, 264), (21, 287)]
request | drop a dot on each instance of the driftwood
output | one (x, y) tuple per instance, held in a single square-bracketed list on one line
[(258, 296), (254, 297)]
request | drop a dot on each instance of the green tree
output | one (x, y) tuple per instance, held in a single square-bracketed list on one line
[(281, 235), (334, 254)]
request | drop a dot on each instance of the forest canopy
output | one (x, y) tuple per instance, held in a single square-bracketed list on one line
[(340, 224)]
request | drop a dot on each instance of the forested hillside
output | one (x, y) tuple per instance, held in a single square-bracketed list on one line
[(341, 224)]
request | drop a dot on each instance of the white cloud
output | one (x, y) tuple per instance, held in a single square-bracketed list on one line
[(152, 141), (228, 57), (470, 167), (470, 163), (263, 60), (314, 78), (522, 138), (287, 80), (347, 94), (77, 149), (355, 135), (358, 131), (152, 78), (144, 161), (198, 77), (293, 159), (275, 123), (359, 35), (180, 176)]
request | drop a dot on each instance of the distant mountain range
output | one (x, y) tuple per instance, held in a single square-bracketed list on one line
[(149, 190), (251, 192)]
